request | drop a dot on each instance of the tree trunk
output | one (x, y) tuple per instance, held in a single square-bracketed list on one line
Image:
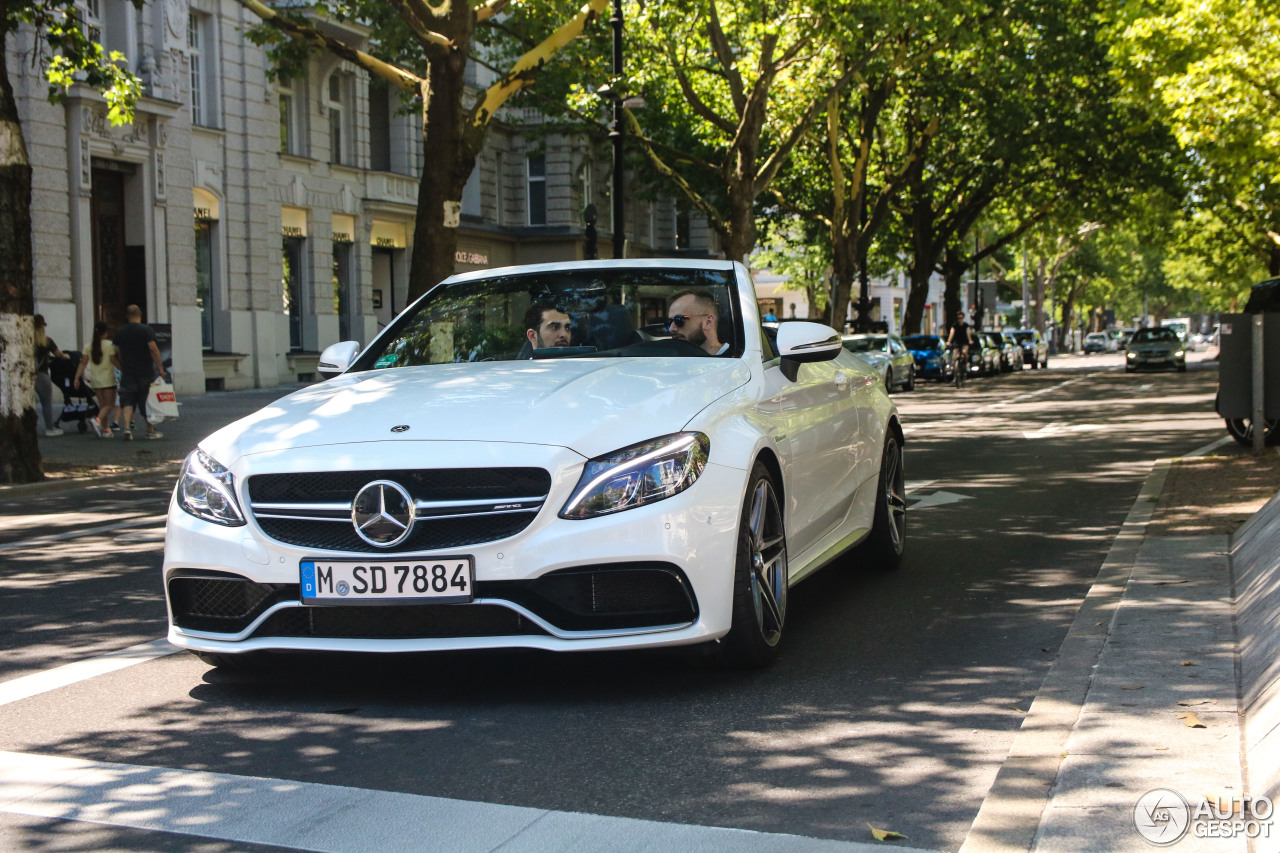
[(19, 450), (921, 268), (1275, 261), (953, 269)]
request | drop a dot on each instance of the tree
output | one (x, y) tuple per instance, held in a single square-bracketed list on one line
[(65, 53), (1212, 72), (1030, 123), (735, 88), (423, 51)]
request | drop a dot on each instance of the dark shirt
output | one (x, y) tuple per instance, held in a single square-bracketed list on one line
[(962, 335), (43, 354), (132, 343)]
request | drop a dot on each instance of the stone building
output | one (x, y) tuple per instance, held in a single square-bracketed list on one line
[(258, 220)]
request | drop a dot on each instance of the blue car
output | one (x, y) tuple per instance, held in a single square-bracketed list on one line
[(931, 356)]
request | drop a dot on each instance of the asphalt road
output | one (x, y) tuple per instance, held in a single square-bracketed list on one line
[(895, 702)]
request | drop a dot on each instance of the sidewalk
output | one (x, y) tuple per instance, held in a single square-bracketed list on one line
[(75, 455), (1144, 694)]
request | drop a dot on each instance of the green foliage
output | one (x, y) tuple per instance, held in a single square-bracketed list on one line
[(69, 56)]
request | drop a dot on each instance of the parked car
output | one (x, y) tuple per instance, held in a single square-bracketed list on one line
[(1096, 342), (630, 490), (1010, 352), (932, 358), (896, 361), (1035, 349), (1159, 348), (984, 358)]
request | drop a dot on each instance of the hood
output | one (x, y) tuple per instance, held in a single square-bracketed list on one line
[(591, 406)]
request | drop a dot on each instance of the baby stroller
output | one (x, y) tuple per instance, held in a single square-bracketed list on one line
[(78, 404)]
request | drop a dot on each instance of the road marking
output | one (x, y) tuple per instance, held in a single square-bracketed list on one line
[(76, 534), (62, 676), (311, 816), (1211, 446), (1061, 429), (939, 499)]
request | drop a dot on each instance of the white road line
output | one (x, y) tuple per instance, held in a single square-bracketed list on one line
[(76, 534), (52, 679), (309, 816), (1210, 447)]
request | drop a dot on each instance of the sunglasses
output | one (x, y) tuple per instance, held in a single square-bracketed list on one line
[(678, 321)]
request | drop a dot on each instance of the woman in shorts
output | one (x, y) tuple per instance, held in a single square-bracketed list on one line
[(96, 368)]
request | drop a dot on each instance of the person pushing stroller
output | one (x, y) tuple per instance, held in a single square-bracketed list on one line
[(99, 373)]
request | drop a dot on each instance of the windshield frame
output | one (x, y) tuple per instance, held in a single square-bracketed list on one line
[(589, 277)]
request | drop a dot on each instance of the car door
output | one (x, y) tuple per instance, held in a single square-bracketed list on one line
[(818, 441)]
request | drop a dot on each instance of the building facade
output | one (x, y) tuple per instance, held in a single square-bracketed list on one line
[(258, 219)]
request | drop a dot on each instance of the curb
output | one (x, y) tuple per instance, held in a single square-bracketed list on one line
[(62, 484), (1012, 812)]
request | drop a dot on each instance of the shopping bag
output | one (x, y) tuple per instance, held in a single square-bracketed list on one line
[(162, 405)]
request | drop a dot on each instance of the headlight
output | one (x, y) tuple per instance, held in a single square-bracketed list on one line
[(638, 475), (1131, 355), (1179, 354), (206, 489)]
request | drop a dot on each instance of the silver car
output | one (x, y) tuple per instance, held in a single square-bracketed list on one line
[(1155, 349), (889, 355)]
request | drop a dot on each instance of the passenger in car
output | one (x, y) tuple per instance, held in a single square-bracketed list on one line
[(693, 316), (546, 326)]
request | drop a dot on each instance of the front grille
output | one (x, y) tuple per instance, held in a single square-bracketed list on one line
[(224, 605), (433, 484), (398, 622), (428, 535), (467, 506)]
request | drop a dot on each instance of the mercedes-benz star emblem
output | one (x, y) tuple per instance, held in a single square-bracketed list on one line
[(400, 428), (383, 513)]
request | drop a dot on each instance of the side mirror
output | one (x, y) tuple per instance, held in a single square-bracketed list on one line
[(804, 343), (336, 358)]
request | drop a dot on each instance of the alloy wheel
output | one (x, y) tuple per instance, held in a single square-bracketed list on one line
[(768, 550)]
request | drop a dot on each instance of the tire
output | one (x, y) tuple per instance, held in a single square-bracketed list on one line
[(83, 426), (1182, 368), (1241, 429), (911, 381), (888, 382), (760, 584), (883, 547)]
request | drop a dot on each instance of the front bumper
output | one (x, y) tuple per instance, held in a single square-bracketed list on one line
[(656, 575)]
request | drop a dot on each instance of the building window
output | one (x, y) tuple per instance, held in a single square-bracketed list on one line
[(537, 193), (379, 125), (290, 130), (588, 184), (471, 194), (342, 296), (340, 147), (204, 280), (293, 288), (684, 231), (194, 52), (500, 188), (93, 20)]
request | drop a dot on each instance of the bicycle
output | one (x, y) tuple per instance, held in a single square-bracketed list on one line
[(960, 368)]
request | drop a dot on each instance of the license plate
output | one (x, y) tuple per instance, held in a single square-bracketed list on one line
[(440, 580)]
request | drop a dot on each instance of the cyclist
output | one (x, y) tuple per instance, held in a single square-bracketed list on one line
[(958, 343)]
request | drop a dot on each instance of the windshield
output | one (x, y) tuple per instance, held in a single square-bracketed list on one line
[(867, 344), (1025, 337), (922, 341), (597, 313), (1149, 335)]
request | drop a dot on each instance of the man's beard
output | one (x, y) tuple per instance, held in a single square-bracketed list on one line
[(697, 337)]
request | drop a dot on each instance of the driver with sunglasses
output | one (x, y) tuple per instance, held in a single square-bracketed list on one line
[(693, 317)]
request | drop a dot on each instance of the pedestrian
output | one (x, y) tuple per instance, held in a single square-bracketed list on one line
[(46, 350), (138, 359), (97, 370)]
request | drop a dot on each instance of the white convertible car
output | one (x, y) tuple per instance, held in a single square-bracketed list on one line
[(461, 484)]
